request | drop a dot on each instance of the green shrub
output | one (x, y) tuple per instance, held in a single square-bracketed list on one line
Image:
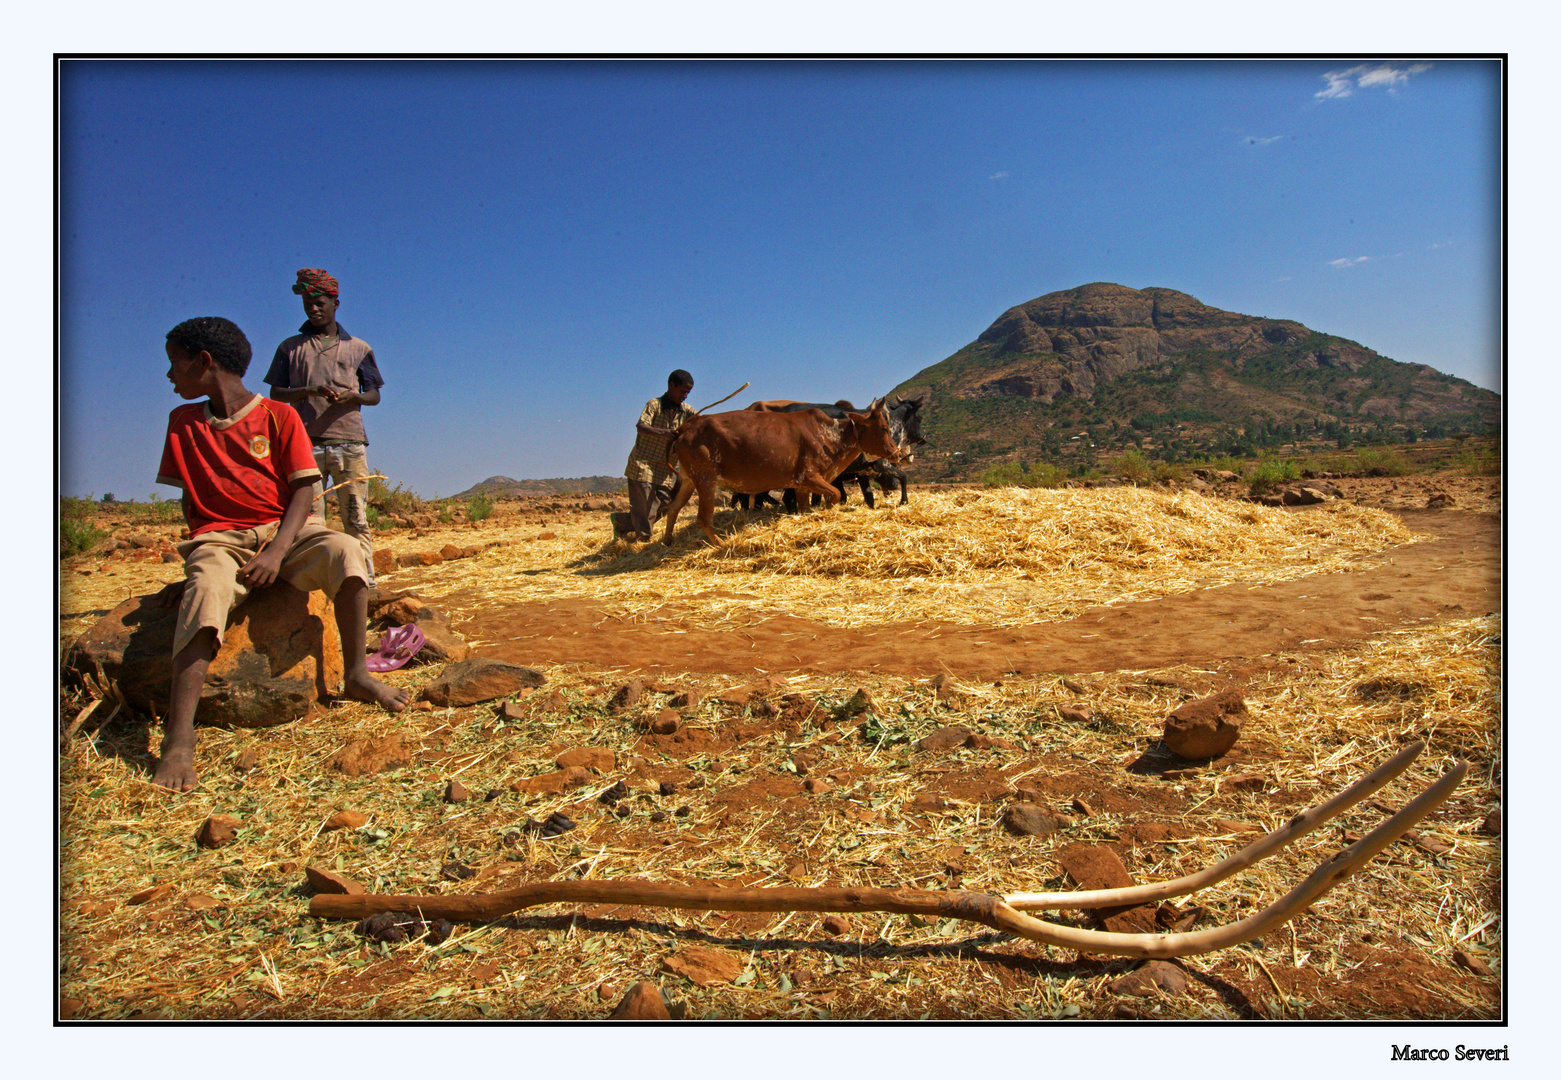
[(1133, 467), (1268, 475), (446, 514), (1037, 474), (1165, 470), (374, 516), (78, 535), (480, 508), (157, 510), (1382, 461), (393, 500), (1478, 461)]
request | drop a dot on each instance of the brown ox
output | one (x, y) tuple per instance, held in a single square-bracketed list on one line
[(750, 452)]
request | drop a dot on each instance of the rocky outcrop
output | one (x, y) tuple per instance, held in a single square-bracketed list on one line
[(280, 657)]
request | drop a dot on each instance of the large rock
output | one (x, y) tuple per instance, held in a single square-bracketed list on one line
[(471, 681), (280, 657), (1207, 727)]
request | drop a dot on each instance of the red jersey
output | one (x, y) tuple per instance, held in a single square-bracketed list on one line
[(238, 471)]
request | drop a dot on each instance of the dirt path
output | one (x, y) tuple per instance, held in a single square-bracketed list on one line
[(1457, 574)]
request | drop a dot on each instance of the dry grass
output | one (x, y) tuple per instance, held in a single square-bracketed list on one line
[(232, 938), (1007, 557)]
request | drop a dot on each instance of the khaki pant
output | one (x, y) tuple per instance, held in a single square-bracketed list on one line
[(320, 558), (340, 464)]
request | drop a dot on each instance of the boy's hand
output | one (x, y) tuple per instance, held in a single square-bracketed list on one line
[(169, 595), (262, 570)]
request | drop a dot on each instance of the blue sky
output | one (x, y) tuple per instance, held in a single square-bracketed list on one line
[(530, 246)]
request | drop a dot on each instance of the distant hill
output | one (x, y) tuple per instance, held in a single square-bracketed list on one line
[(1160, 370), (502, 486)]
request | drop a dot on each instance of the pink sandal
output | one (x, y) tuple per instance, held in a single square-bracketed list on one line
[(398, 645)]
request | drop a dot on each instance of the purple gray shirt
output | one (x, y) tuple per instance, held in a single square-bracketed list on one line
[(344, 363)]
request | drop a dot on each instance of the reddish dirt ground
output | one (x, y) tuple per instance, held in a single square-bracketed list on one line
[(1458, 574)]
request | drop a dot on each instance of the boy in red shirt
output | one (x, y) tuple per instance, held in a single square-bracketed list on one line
[(247, 471)]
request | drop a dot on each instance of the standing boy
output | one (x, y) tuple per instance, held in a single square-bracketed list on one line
[(652, 481), (328, 375), (247, 475)]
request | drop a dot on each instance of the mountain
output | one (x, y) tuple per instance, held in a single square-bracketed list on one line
[(1161, 370), (504, 486)]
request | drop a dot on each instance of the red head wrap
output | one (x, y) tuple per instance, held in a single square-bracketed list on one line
[(314, 280)]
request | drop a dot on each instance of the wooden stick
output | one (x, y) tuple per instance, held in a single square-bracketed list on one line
[(728, 397), (344, 483), (982, 908)]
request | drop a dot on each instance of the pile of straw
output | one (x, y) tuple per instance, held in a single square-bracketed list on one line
[(1003, 557)]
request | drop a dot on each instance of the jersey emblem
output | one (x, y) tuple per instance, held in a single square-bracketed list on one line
[(260, 446)]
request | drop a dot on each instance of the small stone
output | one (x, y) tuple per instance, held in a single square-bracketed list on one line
[(512, 710), (860, 702), (945, 738), (587, 757), (1027, 819), (817, 785), (450, 551), (642, 1002), (147, 896), (246, 761), (1027, 794), (666, 722), (324, 881), (455, 792), (705, 967), (1466, 959), (627, 695), (1076, 714), (346, 819), (1081, 807), (1429, 843), (1228, 825), (1207, 727), (469, 682), (1155, 975), (928, 801), (978, 741), (1246, 782), (367, 756), (686, 699), (456, 871), (1491, 826), (384, 561), (200, 902), (666, 787), (217, 831), (835, 925)]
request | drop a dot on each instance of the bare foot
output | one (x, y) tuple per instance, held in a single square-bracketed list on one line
[(176, 768), (361, 686)]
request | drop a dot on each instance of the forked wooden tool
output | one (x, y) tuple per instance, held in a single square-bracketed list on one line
[(1004, 913)]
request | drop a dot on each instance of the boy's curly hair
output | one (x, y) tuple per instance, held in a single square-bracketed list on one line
[(220, 337)]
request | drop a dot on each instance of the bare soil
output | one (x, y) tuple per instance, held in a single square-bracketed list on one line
[(723, 798)]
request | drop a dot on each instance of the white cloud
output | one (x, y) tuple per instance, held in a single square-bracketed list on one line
[(1261, 140), (1341, 263), (999, 175), (1342, 84)]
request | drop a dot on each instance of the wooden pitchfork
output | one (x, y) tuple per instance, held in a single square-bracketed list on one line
[(1003, 913)]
